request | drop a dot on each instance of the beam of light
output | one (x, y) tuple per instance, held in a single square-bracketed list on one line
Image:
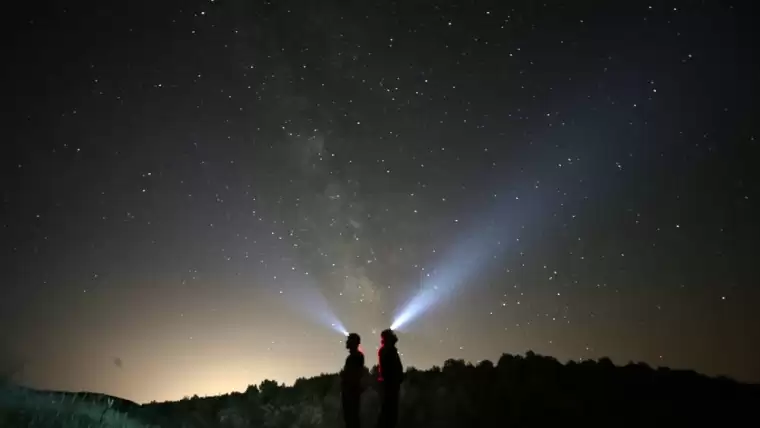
[(471, 254), (446, 281), (313, 304)]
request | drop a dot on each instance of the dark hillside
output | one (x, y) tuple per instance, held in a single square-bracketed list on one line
[(530, 391)]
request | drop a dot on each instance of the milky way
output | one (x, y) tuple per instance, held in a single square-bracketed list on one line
[(199, 195)]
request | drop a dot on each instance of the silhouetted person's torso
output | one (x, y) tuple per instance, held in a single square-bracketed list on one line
[(351, 388), (391, 376), (391, 369), (353, 371)]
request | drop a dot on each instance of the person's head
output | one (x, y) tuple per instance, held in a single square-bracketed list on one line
[(353, 341), (388, 337)]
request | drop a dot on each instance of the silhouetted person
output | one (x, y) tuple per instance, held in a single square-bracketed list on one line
[(391, 374), (351, 382)]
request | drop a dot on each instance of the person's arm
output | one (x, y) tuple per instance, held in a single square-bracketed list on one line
[(363, 375), (399, 368), (344, 373), (380, 361)]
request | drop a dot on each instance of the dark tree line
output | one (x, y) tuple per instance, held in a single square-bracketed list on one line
[(529, 391)]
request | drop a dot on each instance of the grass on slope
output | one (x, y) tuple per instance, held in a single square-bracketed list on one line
[(23, 407)]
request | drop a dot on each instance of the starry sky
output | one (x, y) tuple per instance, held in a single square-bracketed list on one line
[(194, 191)]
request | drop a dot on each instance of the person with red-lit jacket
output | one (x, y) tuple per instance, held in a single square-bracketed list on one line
[(351, 386), (391, 375)]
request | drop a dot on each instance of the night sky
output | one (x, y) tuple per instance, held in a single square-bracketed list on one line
[(193, 191)]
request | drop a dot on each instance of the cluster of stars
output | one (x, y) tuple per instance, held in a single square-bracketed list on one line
[(245, 163)]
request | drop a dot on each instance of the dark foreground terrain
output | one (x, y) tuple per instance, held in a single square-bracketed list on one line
[(529, 391)]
